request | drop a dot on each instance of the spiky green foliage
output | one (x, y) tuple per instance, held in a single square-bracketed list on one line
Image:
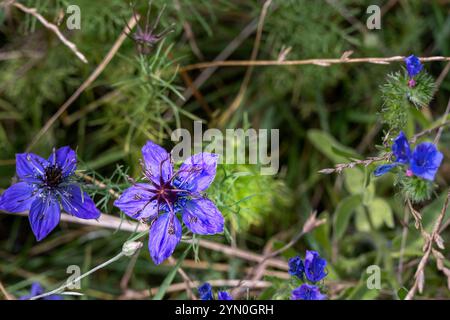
[(416, 189), (131, 101), (398, 97), (248, 198)]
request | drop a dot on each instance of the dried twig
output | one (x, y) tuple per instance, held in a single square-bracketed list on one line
[(229, 49), (258, 272), (317, 62), (243, 88), (111, 53), (98, 184), (52, 27), (182, 286), (430, 240), (188, 282), (338, 168), (444, 121), (225, 267), (366, 162), (7, 295), (129, 271)]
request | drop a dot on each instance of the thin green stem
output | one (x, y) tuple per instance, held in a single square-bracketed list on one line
[(84, 275)]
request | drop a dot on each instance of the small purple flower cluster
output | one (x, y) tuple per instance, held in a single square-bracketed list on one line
[(313, 269), (37, 290), (423, 162), (413, 67), (205, 293)]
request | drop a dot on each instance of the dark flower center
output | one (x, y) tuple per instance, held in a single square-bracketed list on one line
[(167, 194), (53, 176)]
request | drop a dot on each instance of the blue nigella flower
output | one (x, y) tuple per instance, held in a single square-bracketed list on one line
[(37, 290), (296, 267), (166, 193), (314, 266), (205, 293), (223, 295), (307, 292), (413, 66), (423, 162), (44, 186)]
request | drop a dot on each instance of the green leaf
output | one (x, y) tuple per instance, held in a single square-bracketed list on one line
[(343, 214), (321, 234), (356, 182), (361, 222), (361, 292), (330, 147), (345, 153), (108, 157), (169, 278), (432, 211), (380, 213), (402, 292)]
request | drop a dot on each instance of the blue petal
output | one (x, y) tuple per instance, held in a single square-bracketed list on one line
[(307, 292), (44, 216), (66, 159), (384, 168), (413, 65), (136, 202), (201, 216), (223, 295), (296, 267), (314, 266), (426, 160), (36, 290), (30, 167), (53, 297), (165, 234), (158, 165), (205, 291), (401, 149), (78, 203), (18, 197), (197, 172)]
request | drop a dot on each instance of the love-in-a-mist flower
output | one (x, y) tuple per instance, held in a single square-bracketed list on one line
[(146, 36), (168, 192), (423, 162), (307, 292), (296, 267), (44, 187), (314, 266), (205, 293), (413, 67), (37, 290)]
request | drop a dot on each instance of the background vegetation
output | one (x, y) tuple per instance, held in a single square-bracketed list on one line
[(325, 115)]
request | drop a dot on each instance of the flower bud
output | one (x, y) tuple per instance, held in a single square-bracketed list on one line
[(131, 247)]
